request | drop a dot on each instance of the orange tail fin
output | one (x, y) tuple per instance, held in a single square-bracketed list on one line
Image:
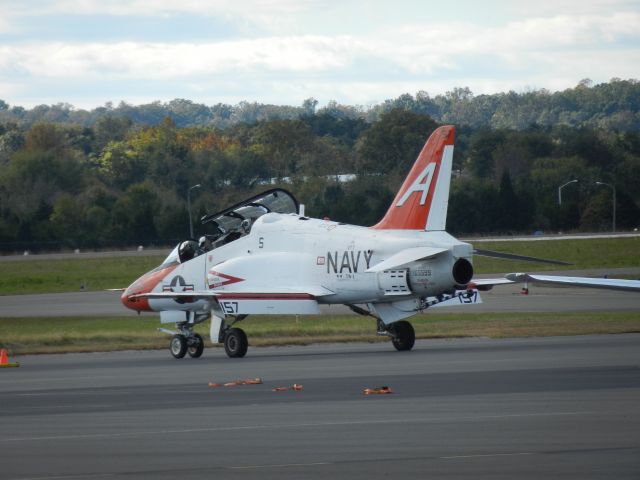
[(421, 203)]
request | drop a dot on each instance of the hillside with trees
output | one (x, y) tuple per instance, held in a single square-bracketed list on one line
[(119, 176)]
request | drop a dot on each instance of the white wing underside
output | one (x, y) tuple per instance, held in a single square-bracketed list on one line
[(606, 283), (603, 283)]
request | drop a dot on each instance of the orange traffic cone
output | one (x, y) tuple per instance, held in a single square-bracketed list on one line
[(4, 360)]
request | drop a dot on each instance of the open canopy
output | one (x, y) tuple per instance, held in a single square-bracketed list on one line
[(275, 200)]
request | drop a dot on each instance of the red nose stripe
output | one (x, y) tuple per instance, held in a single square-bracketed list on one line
[(144, 284)]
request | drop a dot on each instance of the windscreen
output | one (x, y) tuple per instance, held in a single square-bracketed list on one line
[(276, 200)]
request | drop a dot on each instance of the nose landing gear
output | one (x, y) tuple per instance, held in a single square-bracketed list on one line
[(180, 345)]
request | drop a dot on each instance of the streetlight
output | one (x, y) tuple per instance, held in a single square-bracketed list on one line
[(560, 190), (613, 188), (189, 208)]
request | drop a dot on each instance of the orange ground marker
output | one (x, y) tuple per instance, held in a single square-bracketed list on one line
[(249, 381), (296, 387), (377, 391), (4, 360)]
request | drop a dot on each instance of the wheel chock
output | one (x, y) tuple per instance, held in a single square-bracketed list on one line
[(248, 381), (377, 391), (295, 387), (4, 360)]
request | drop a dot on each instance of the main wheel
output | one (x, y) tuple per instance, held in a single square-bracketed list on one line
[(236, 343), (178, 346), (403, 335), (196, 346)]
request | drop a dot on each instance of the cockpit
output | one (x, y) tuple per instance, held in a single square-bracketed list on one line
[(233, 223)]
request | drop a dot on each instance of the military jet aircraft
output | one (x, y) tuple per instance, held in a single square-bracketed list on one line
[(267, 257)]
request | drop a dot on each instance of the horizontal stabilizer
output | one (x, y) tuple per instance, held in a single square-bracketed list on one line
[(406, 256), (607, 283), (520, 258)]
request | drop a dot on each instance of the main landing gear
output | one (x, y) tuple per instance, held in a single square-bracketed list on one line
[(402, 334), (235, 343), (234, 339)]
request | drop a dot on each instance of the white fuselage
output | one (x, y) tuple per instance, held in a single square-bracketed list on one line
[(326, 259)]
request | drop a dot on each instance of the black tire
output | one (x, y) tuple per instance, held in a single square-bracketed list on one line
[(178, 346), (235, 343), (403, 335), (196, 346)]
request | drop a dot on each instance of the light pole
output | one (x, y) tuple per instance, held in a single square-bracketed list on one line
[(613, 188), (189, 208), (560, 190)]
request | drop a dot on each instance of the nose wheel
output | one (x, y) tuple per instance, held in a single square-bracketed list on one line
[(180, 345)]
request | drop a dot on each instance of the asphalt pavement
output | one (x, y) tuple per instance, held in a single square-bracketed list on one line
[(563, 407)]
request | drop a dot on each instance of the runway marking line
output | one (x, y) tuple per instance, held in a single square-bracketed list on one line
[(281, 426), (281, 465), (455, 457)]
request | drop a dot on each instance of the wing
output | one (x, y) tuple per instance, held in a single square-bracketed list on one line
[(227, 293), (607, 283), (277, 301), (485, 284)]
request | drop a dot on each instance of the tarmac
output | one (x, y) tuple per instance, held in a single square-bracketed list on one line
[(464, 408)]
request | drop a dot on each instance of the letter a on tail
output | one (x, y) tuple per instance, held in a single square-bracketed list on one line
[(421, 203)]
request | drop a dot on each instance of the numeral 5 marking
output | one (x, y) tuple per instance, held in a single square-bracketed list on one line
[(229, 307)]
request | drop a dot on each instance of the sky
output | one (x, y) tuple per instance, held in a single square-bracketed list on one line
[(357, 52)]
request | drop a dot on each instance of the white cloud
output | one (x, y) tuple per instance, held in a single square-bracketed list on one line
[(267, 15), (160, 60), (363, 66)]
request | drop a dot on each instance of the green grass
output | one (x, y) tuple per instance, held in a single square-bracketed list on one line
[(581, 253), (55, 276), (55, 335), (51, 276)]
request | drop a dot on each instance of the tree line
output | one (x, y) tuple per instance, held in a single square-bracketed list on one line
[(613, 105), (118, 182)]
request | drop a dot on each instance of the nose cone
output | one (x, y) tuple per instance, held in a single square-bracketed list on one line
[(129, 299), (144, 284)]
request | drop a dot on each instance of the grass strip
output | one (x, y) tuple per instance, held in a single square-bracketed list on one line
[(580, 253), (69, 275), (72, 334)]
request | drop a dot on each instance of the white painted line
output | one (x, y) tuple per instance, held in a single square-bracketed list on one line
[(454, 457), (281, 465)]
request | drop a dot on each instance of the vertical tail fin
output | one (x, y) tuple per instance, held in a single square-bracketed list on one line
[(421, 203)]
